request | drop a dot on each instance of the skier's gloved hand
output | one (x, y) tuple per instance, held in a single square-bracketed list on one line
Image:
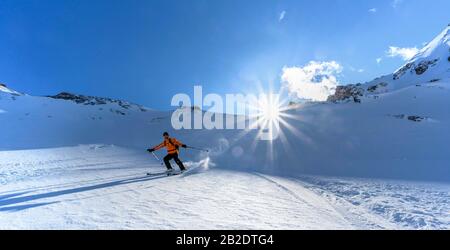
[(150, 150), (183, 146)]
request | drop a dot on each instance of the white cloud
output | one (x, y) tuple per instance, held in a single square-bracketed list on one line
[(282, 15), (396, 3), (373, 10), (379, 60), (361, 70), (315, 81), (404, 53)]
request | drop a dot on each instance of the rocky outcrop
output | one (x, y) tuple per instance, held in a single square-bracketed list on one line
[(377, 87), (93, 100), (413, 67), (416, 118), (80, 99), (402, 71), (354, 92), (413, 118), (423, 66), (347, 93)]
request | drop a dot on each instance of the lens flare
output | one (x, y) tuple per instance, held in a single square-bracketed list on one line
[(270, 123), (267, 114), (270, 109)]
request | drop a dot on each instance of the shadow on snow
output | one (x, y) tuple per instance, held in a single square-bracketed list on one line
[(12, 199)]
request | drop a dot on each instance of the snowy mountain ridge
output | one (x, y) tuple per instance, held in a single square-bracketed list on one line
[(94, 100), (430, 65), (4, 89), (437, 48)]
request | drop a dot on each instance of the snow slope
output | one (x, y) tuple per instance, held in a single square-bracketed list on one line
[(73, 161), (105, 187)]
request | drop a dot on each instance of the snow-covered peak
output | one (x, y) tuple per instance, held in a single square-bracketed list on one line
[(432, 63), (5, 89), (438, 47)]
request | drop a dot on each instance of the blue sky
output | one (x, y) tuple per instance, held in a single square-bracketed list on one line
[(147, 51)]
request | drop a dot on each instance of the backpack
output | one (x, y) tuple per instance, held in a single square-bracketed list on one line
[(176, 146)]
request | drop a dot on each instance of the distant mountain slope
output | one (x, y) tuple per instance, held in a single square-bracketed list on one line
[(430, 65), (94, 100), (4, 89)]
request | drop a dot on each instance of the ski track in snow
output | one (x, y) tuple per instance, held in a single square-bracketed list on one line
[(398, 204), (88, 187)]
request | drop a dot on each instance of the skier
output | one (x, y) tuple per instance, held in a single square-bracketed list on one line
[(172, 145)]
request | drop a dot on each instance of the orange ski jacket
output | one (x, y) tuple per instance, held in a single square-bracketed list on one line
[(171, 145)]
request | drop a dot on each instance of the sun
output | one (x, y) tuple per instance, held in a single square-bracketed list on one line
[(269, 108), (272, 116), (268, 112)]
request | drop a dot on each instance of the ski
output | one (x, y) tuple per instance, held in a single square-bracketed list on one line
[(179, 172), (175, 173), (165, 173), (155, 174), (172, 173)]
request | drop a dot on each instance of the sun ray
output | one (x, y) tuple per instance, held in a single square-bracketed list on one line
[(269, 117)]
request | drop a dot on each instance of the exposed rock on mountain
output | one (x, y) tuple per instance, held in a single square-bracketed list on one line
[(93, 100), (347, 93)]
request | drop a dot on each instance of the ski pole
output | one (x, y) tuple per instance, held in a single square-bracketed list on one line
[(199, 149), (156, 157)]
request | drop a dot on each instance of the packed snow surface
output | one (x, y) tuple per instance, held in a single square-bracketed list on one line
[(105, 187)]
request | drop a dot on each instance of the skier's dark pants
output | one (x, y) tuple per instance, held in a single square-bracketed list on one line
[(174, 156)]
